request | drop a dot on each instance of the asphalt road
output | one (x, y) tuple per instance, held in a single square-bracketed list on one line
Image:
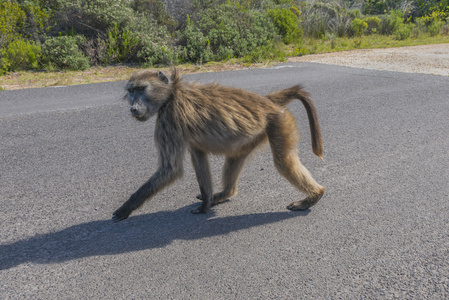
[(69, 156)]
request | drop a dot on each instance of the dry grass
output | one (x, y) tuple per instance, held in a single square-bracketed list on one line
[(30, 79)]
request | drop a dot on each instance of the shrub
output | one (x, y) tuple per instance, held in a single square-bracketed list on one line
[(62, 52), (286, 23), (435, 26), (373, 25), (233, 32), (12, 19), (155, 46), (20, 54), (391, 22), (315, 24), (423, 8), (196, 47), (327, 17), (156, 9), (404, 31), (95, 50), (431, 24), (445, 29), (37, 20), (92, 18), (121, 44), (152, 53), (358, 27), (434, 22), (228, 30), (116, 32)]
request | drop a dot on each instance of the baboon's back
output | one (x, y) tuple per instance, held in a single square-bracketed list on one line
[(221, 117)]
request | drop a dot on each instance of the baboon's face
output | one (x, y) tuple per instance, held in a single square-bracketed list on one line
[(147, 93)]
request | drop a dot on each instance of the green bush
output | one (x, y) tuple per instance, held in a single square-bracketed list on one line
[(431, 24), (315, 24), (12, 19), (92, 18), (20, 54), (327, 17), (155, 46), (37, 19), (156, 9), (196, 47), (434, 27), (152, 54), (404, 31), (436, 20), (21, 19), (445, 30), (437, 13), (422, 8), (118, 30), (63, 53), (229, 30), (391, 22), (121, 44), (287, 24), (373, 25), (358, 27)]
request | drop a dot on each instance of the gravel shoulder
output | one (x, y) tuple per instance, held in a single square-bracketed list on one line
[(426, 59)]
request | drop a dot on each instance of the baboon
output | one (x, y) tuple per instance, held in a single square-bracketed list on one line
[(210, 118)]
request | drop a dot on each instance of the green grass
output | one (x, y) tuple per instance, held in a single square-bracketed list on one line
[(313, 46)]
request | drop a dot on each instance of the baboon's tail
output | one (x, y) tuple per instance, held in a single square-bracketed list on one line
[(284, 97)]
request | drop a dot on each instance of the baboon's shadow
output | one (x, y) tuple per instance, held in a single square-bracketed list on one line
[(141, 232)]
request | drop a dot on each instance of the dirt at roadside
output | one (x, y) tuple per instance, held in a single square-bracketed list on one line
[(427, 59)]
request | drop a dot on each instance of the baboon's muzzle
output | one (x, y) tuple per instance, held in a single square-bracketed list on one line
[(139, 113)]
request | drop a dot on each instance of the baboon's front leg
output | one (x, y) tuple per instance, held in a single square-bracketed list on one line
[(202, 171), (159, 180), (231, 171)]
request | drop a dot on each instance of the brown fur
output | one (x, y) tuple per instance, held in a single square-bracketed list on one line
[(284, 97), (210, 118)]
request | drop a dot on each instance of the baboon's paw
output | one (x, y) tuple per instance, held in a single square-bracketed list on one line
[(305, 203), (216, 199), (121, 214), (298, 205), (199, 210), (219, 201)]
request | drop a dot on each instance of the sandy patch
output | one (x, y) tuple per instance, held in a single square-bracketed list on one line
[(427, 59)]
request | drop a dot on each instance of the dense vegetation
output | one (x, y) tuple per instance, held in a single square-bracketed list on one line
[(77, 34)]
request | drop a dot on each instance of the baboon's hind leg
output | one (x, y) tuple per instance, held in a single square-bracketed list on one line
[(283, 137)]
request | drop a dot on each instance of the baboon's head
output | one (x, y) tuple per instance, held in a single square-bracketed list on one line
[(148, 91)]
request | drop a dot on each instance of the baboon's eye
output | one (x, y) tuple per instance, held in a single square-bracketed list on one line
[(131, 90)]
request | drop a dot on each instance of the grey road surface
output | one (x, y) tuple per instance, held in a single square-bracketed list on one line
[(70, 156)]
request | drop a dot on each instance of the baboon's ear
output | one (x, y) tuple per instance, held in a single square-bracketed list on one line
[(162, 77)]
